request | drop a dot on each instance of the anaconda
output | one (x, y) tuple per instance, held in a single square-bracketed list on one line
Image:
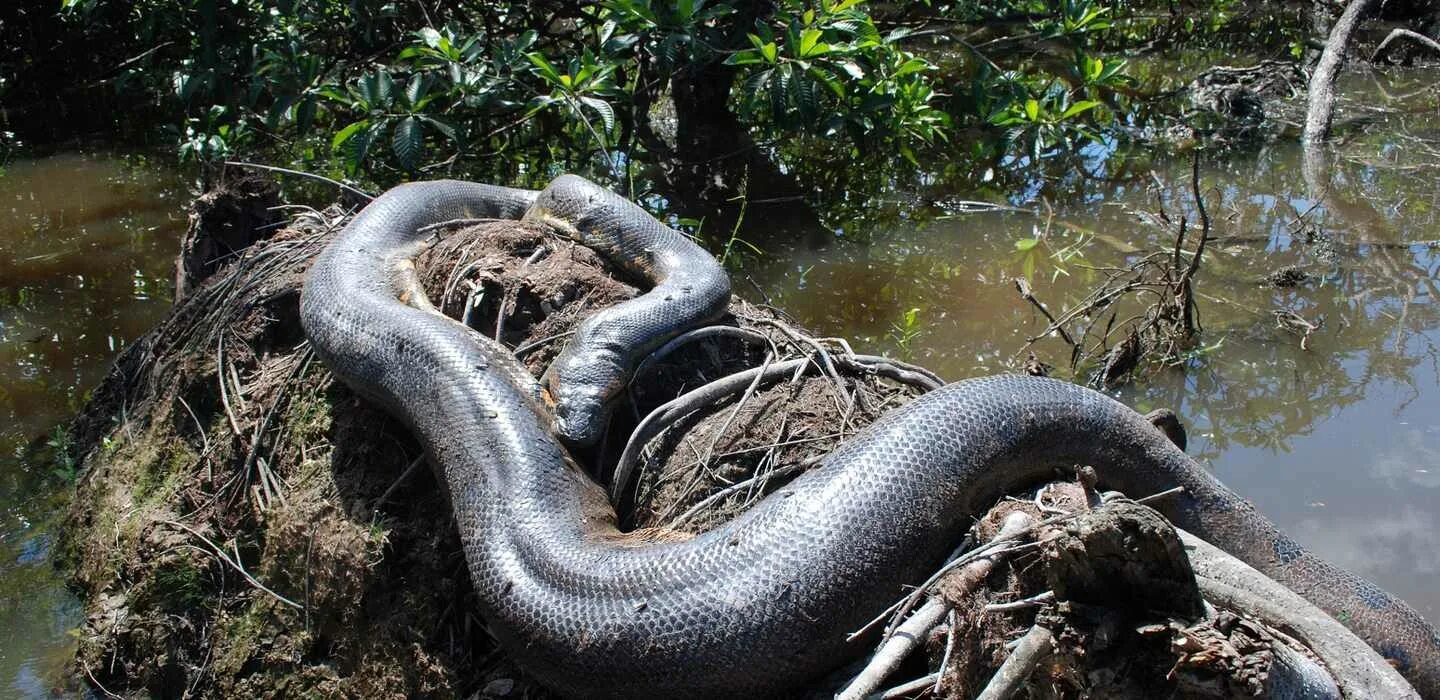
[(765, 602)]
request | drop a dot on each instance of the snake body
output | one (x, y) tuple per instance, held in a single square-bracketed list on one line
[(765, 602)]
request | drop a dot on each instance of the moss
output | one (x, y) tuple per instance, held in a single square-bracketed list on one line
[(307, 419), (238, 638), (158, 480), (178, 584)]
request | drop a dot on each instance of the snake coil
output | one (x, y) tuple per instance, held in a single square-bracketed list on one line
[(763, 603)]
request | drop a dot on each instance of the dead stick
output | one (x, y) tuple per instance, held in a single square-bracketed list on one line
[(904, 639), (1034, 647), (1404, 34), (905, 690), (235, 563)]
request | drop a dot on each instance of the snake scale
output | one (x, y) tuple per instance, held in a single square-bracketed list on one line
[(763, 603)]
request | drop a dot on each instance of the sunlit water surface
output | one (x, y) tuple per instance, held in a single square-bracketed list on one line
[(1338, 442), (87, 248)]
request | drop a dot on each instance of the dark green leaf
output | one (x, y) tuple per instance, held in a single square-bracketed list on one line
[(408, 142)]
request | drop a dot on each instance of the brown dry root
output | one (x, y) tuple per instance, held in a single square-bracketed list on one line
[(1102, 602)]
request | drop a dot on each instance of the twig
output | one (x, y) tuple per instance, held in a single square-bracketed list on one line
[(735, 411), (906, 638), (235, 564), (905, 689), (1400, 33), (828, 365), (539, 252), (735, 488), (1023, 287), (662, 417), (1161, 495), (951, 621), (300, 173), (97, 683), (536, 344), (900, 371), (1034, 647), (1033, 601), (220, 376), (404, 476), (902, 640), (688, 337)]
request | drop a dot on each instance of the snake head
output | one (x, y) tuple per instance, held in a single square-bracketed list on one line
[(580, 417), (581, 388)]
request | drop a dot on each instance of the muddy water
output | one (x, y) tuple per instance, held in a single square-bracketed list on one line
[(86, 249), (1338, 441)]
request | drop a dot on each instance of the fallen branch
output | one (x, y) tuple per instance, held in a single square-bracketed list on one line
[(905, 690), (667, 414), (300, 173), (1034, 647), (899, 643), (1321, 109), (1404, 34)]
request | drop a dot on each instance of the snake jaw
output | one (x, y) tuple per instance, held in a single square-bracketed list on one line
[(579, 420)]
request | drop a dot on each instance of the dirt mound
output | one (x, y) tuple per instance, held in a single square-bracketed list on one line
[(245, 525)]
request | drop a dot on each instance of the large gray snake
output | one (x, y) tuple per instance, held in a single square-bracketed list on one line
[(765, 602)]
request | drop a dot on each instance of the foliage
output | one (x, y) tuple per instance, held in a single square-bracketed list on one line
[(905, 330), (391, 90), (65, 464)]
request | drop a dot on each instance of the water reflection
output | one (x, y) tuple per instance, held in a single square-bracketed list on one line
[(87, 245), (1338, 443)]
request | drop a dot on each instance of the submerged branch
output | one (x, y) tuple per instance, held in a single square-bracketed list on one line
[(1321, 108)]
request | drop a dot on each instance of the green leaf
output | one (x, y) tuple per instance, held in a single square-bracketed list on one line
[(770, 52), (1032, 109), (443, 127), (1026, 244), (408, 142), (278, 111), (909, 154), (1079, 108), (344, 135), (808, 39), (744, 58), (803, 93), (779, 86), (430, 37), (377, 90), (603, 108), (828, 81), (305, 115), (546, 70), (357, 149), (415, 90), (914, 65)]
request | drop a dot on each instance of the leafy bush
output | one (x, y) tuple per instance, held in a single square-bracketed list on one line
[(390, 91)]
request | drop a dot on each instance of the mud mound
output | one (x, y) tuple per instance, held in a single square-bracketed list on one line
[(245, 525)]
